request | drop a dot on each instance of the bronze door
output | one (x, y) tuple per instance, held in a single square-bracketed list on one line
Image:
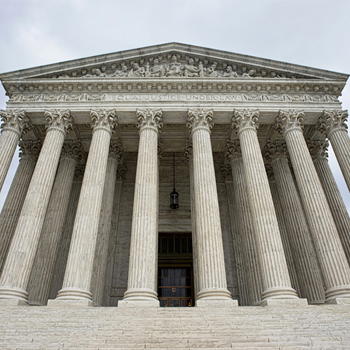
[(175, 286)]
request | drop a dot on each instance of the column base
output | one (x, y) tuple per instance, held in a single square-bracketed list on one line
[(339, 301), (214, 294), (284, 302), (139, 298), (70, 303), (74, 294), (8, 293), (12, 302), (337, 292), (279, 293)]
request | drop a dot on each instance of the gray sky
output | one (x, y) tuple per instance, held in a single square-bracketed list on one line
[(313, 33)]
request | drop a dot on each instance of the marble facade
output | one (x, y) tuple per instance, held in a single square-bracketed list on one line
[(81, 221)]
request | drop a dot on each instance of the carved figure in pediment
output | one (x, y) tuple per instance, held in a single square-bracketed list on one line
[(121, 73), (136, 71), (250, 74), (211, 71), (174, 69), (191, 70), (158, 70), (230, 73), (64, 76)]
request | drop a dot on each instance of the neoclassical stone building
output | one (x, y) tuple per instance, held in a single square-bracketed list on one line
[(87, 220)]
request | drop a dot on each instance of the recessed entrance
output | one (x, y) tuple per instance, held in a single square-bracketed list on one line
[(175, 273)]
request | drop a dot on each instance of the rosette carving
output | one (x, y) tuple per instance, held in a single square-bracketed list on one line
[(104, 119), (30, 148), (149, 119), (318, 149), (59, 120), (331, 121), (200, 119), (288, 120), (233, 150), (245, 119), (73, 149), (15, 120), (275, 149), (116, 150)]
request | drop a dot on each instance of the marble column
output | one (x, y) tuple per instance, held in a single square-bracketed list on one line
[(51, 233), (283, 229), (275, 276), (246, 229), (19, 262), (62, 256), (332, 124), (330, 253), (189, 155), (318, 150), (77, 278), (142, 277), (211, 264), (304, 255), (29, 151), (104, 226), (243, 296), (15, 125)]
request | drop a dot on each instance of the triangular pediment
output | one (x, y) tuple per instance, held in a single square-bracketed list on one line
[(171, 61)]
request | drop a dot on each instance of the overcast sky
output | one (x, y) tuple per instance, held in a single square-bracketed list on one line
[(313, 33)]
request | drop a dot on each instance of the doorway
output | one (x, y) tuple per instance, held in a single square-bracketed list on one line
[(175, 272)]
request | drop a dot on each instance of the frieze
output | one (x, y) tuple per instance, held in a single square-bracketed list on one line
[(175, 97)]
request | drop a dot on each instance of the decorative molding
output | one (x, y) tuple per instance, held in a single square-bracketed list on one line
[(200, 119), (233, 150), (149, 119), (29, 149), (15, 120), (156, 97), (288, 120), (59, 120), (245, 119), (275, 149), (104, 119), (331, 121), (73, 149), (318, 149)]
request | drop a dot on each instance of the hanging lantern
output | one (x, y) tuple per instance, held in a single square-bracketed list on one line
[(174, 196)]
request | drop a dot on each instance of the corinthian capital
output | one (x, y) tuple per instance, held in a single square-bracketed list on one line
[(149, 119), (59, 120), (288, 120), (331, 121), (189, 149), (29, 149), (226, 172), (245, 119), (73, 149), (200, 119), (121, 172), (103, 119), (269, 172), (16, 120), (116, 150), (275, 149), (233, 150), (318, 149)]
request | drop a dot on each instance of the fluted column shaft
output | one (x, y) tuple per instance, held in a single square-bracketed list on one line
[(303, 251), (284, 236), (15, 125), (275, 276), (19, 262), (51, 234), (249, 245), (14, 201), (331, 256), (77, 278), (104, 228), (211, 264), (318, 150), (332, 124)]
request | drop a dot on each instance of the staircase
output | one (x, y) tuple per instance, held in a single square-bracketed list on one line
[(325, 327)]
